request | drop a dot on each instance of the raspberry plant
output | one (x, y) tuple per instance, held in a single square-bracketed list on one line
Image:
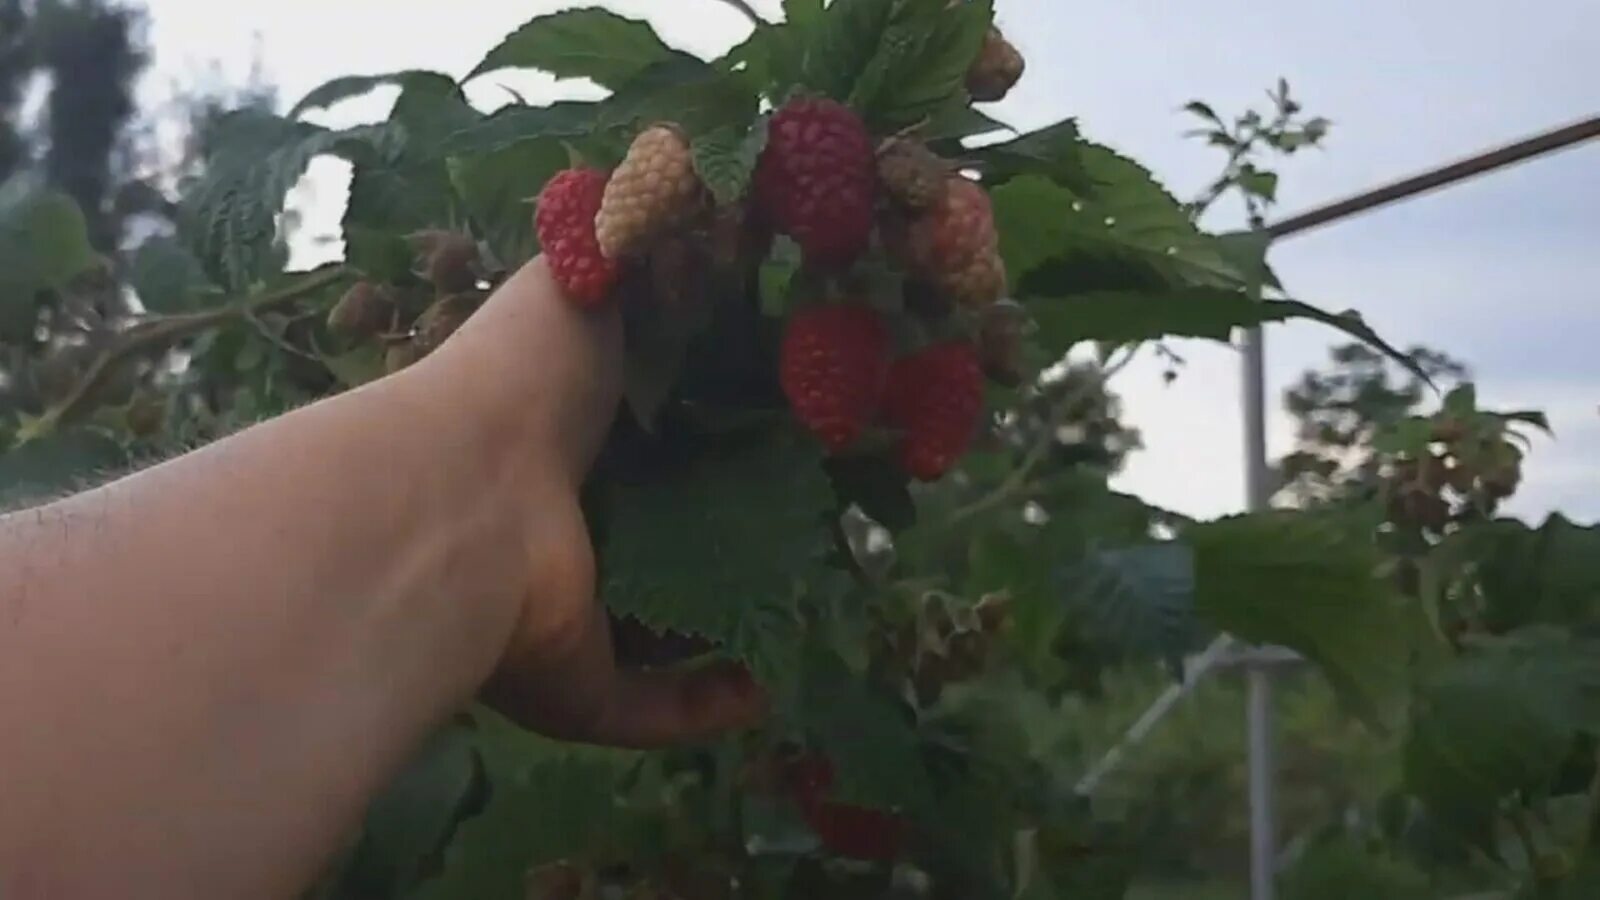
[(841, 460)]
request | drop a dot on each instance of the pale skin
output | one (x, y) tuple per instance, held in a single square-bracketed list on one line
[(208, 668)]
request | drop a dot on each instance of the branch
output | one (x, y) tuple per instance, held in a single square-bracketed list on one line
[(158, 333), (1018, 479)]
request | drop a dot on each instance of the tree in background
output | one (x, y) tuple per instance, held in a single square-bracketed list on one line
[(86, 56), (75, 66), (1340, 410)]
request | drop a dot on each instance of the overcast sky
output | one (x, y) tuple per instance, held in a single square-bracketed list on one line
[(1503, 273)]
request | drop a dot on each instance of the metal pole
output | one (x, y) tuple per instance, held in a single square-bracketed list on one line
[(1538, 145), (1152, 716), (1263, 821), (1263, 827)]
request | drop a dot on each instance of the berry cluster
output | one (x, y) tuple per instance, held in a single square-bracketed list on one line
[(845, 365), (410, 322)]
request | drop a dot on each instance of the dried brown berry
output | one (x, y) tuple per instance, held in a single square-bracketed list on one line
[(449, 260), (145, 416), (1449, 430), (997, 69), (441, 320), (654, 190), (400, 355), (911, 173), (1001, 334), (366, 309), (557, 881)]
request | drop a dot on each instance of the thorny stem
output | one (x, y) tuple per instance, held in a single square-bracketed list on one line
[(276, 339), (748, 11), (153, 333), (1017, 481)]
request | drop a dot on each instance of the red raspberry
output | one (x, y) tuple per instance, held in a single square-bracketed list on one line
[(565, 222), (816, 180), (935, 399), (833, 365), (955, 245), (855, 832)]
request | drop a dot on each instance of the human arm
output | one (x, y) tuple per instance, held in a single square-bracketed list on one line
[(207, 668)]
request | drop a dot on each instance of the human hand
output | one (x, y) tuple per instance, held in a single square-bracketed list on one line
[(545, 378)]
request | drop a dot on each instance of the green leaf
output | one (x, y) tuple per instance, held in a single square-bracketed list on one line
[(1341, 869), (230, 213), (396, 199), (166, 276), (1126, 215), (1310, 583), (378, 253), (495, 188), (1549, 575), (1139, 600), (1351, 323), (864, 732), (44, 242), (696, 96), (412, 819), (802, 13), (1198, 312), (547, 804), (677, 556), (878, 486), (842, 44), (1203, 110), (356, 366), (726, 158), (1462, 400), (602, 46), (658, 339), (777, 276), (1052, 152), (957, 121), (1534, 417), (514, 124), (1247, 252), (921, 65), (1259, 183), (349, 86), (400, 189), (1500, 719)]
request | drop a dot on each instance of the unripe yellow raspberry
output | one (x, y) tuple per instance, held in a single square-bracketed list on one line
[(654, 190)]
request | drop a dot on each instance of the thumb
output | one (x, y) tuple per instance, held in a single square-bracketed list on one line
[(655, 709)]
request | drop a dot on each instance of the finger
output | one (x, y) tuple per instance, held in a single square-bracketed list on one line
[(559, 688), (579, 694), (657, 709)]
